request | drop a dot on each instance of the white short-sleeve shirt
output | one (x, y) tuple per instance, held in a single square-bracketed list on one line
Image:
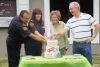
[(81, 27)]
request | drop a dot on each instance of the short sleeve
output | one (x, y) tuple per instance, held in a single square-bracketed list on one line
[(23, 30), (92, 21), (32, 29)]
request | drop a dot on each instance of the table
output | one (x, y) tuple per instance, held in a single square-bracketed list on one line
[(65, 61)]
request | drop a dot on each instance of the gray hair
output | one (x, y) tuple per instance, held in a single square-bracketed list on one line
[(76, 4)]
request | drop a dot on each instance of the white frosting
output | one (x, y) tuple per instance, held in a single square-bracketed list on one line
[(52, 49)]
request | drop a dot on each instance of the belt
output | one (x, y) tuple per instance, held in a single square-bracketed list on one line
[(81, 42)]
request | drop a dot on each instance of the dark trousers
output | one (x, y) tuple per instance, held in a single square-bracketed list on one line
[(13, 51), (84, 49), (33, 48)]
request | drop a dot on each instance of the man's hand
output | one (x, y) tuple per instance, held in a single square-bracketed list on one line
[(89, 39), (44, 41), (49, 37)]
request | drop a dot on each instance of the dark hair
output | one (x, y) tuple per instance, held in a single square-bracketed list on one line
[(37, 11), (22, 12)]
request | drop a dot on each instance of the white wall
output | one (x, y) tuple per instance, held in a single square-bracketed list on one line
[(36, 4), (22, 5), (96, 12)]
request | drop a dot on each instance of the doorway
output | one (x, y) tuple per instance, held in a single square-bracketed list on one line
[(63, 7)]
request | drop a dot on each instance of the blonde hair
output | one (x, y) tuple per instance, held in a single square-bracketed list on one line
[(76, 4), (56, 12)]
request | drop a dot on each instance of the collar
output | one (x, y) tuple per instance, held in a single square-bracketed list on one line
[(81, 14)]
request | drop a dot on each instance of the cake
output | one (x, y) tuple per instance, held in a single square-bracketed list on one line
[(52, 49)]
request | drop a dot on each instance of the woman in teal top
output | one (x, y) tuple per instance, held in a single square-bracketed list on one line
[(56, 26)]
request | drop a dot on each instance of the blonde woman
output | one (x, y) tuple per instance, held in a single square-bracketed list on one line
[(56, 26)]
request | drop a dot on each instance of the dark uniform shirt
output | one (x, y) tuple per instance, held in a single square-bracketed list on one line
[(16, 31)]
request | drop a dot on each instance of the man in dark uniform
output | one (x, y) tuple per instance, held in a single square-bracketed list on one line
[(17, 33)]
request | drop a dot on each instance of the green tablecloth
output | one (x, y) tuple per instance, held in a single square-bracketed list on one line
[(65, 61)]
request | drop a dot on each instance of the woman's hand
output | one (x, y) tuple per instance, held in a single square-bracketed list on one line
[(54, 36), (51, 37)]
